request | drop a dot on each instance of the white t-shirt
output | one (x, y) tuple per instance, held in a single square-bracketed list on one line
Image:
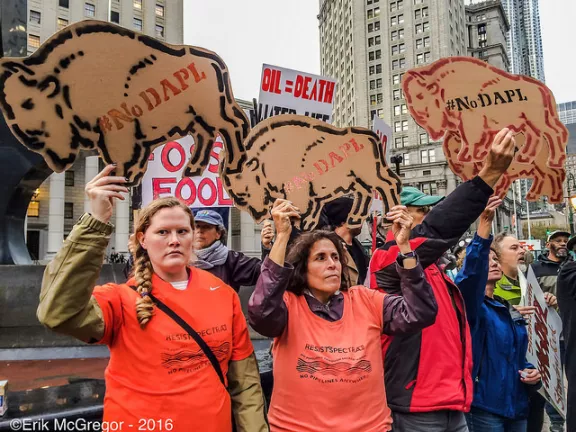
[(181, 286)]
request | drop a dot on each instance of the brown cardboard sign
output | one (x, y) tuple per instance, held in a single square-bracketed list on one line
[(310, 163), (546, 181), (475, 100), (98, 85)]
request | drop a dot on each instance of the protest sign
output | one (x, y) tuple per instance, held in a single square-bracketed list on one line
[(544, 329), (467, 102), (287, 91), (164, 176), (95, 85), (311, 163)]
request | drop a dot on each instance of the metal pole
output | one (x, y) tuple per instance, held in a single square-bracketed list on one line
[(528, 212), (571, 214), (515, 214)]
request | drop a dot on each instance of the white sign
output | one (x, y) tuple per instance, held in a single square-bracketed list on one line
[(286, 91), (544, 328), (164, 176)]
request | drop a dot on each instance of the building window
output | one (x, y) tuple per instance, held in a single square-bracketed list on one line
[(69, 210), (377, 26), (424, 12), (159, 31), (419, 58), (378, 54), (402, 63), (428, 156), (394, 35), (419, 43), (33, 41), (376, 12), (404, 109), (406, 159), (418, 28), (426, 172), (396, 79), (372, 99), (159, 11), (398, 142), (35, 17), (418, 14), (418, 1), (115, 17), (379, 98), (426, 26), (377, 40), (397, 94), (401, 34), (33, 209), (429, 188), (482, 44), (404, 125), (394, 49), (69, 178), (371, 56), (427, 41), (89, 10), (395, 64), (397, 110), (423, 138), (397, 126), (63, 3), (393, 6), (370, 28), (400, 19), (372, 84), (379, 83), (482, 29), (138, 4), (394, 21), (400, 4), (62, 23), (402, 48), (427, 57), (371, 70), (137, 23), (378, 68)]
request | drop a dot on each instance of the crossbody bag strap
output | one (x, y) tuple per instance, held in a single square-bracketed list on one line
[(197, 338)]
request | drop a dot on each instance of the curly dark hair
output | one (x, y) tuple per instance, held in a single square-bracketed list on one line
[(300, 252)]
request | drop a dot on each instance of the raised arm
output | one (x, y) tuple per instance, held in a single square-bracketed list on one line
[(267, 312), (448, 220), (416, 308), (473, 276), (66, 302)]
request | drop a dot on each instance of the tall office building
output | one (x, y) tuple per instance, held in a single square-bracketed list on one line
[(367, 45), (60, 201)]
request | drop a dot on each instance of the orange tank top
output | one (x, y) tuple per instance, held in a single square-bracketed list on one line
[(329, 376)]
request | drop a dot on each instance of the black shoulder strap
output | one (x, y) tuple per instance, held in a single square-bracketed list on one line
[(197, 338)]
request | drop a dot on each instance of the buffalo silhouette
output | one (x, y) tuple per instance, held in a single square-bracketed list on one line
[(95, 85)]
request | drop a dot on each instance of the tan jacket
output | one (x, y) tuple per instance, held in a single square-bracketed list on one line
[(67, 306)]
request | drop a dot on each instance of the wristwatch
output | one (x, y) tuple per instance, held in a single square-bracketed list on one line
[(401, 257)]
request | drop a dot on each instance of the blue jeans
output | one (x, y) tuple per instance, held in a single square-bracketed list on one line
[(483, 421)]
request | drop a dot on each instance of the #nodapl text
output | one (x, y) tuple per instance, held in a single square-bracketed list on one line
[(151, 98), (323, 166), (485, 100)]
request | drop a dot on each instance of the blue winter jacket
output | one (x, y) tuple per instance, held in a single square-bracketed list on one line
[(499, 339)]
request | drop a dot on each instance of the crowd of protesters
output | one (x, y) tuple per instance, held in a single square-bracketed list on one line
[(427, 334)]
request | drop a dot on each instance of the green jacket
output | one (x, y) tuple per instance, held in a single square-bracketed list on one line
[(509, 290), (67, 306)]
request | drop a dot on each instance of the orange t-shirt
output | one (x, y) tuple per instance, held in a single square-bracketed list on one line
[(329, 376), (159, 373)]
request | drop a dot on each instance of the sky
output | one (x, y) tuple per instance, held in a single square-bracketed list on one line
[(248, 33)]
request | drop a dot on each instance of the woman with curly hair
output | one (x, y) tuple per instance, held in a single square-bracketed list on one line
[(328, 368), (158, 370)]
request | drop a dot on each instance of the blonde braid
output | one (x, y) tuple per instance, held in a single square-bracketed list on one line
[(143, 275)]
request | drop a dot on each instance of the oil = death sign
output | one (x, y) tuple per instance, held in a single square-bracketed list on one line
[(287, 91)]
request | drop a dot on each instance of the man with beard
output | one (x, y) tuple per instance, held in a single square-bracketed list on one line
[(546, 270), (512, 260)]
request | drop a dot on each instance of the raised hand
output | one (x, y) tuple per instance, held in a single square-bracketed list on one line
[(283, 212), (487, 216), (499, 157), (401, 226), (102, 190), (267, 234)]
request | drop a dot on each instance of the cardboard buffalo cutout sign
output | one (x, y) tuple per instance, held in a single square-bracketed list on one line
[(310, 163), (95, 85), (467, 102)]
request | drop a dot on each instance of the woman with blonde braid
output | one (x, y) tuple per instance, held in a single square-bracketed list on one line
[(157, 371)]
